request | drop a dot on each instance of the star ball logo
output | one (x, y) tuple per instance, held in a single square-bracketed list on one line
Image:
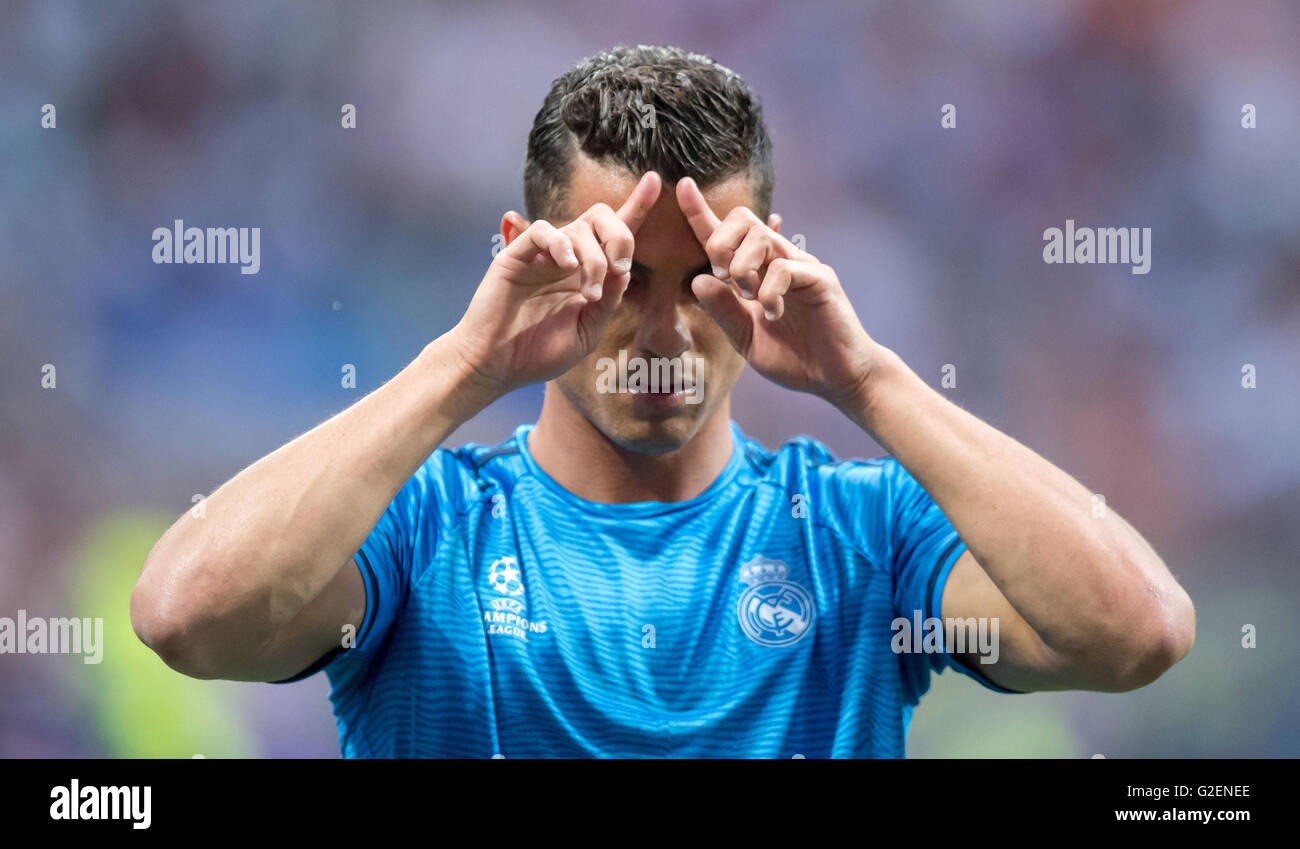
[(773, 611), (504, 577)]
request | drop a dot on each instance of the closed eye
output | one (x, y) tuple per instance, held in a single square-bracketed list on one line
[(640, 275)]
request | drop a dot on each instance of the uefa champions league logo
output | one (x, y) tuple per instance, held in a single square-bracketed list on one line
[(773, 611), (507, 612)]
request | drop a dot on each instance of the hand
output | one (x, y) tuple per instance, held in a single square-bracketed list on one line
[(783, 310), (546, 298)]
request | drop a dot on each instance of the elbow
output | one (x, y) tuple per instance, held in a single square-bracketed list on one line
[(164, 623), (1155, 640), (1177, 632), (1181, 632)]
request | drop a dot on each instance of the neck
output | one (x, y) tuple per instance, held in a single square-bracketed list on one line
[(580, 458)]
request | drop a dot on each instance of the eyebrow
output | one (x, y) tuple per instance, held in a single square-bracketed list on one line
[(706, 268)]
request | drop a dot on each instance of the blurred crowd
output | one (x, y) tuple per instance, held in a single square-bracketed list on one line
[(171, 378)]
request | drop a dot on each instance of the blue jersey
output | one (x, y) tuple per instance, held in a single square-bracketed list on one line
[(507, 616)]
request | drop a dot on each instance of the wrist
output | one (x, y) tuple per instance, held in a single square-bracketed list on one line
[(883, 377), (467, 388)]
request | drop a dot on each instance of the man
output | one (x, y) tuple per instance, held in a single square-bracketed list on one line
[(632, 576)]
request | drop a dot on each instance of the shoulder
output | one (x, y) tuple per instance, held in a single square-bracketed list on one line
[(804, 462), (856, 499), (457, 478)]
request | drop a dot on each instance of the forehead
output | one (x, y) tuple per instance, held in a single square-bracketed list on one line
[(665, 229)]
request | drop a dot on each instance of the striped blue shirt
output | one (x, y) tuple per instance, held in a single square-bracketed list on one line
[(507, 616)]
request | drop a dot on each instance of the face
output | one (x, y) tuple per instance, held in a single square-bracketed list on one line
[(659, 325)]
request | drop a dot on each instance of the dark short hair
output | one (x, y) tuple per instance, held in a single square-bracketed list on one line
[(648, 108)]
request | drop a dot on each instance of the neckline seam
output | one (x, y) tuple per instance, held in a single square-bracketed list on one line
[(729, 473)]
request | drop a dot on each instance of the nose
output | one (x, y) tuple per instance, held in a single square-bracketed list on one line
[(662, 330)]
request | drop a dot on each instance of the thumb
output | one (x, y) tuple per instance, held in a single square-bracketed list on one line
[(720, 301)]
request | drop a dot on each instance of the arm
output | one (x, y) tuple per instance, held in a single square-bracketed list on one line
[(1082, 602), (263, 585)]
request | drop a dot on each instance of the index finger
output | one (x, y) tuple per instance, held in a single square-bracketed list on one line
[(696, 209), (637, 206)]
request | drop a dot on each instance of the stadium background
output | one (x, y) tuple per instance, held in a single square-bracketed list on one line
[(172, 378)]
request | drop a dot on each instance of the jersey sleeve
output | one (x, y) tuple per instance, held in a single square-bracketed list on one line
[(924, 546), (385, 559), (394, 554)]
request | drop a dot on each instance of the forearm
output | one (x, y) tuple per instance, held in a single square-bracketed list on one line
[(1084, 580), (276, 534)]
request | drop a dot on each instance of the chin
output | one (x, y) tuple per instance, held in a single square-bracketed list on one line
[(646, 426), (651, 434)]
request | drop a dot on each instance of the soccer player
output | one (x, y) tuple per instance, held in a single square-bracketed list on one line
[(632, 575)]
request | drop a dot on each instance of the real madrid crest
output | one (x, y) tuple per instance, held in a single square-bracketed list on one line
[(773, 611)]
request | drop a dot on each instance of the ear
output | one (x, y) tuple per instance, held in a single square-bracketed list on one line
[(512, 224), (774, 221)]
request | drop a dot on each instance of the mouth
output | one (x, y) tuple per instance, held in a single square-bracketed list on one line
[(660, 387), (665, 402)]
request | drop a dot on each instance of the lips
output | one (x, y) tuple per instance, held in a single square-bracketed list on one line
[(656, 404), (658, 383), (677, 389)]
